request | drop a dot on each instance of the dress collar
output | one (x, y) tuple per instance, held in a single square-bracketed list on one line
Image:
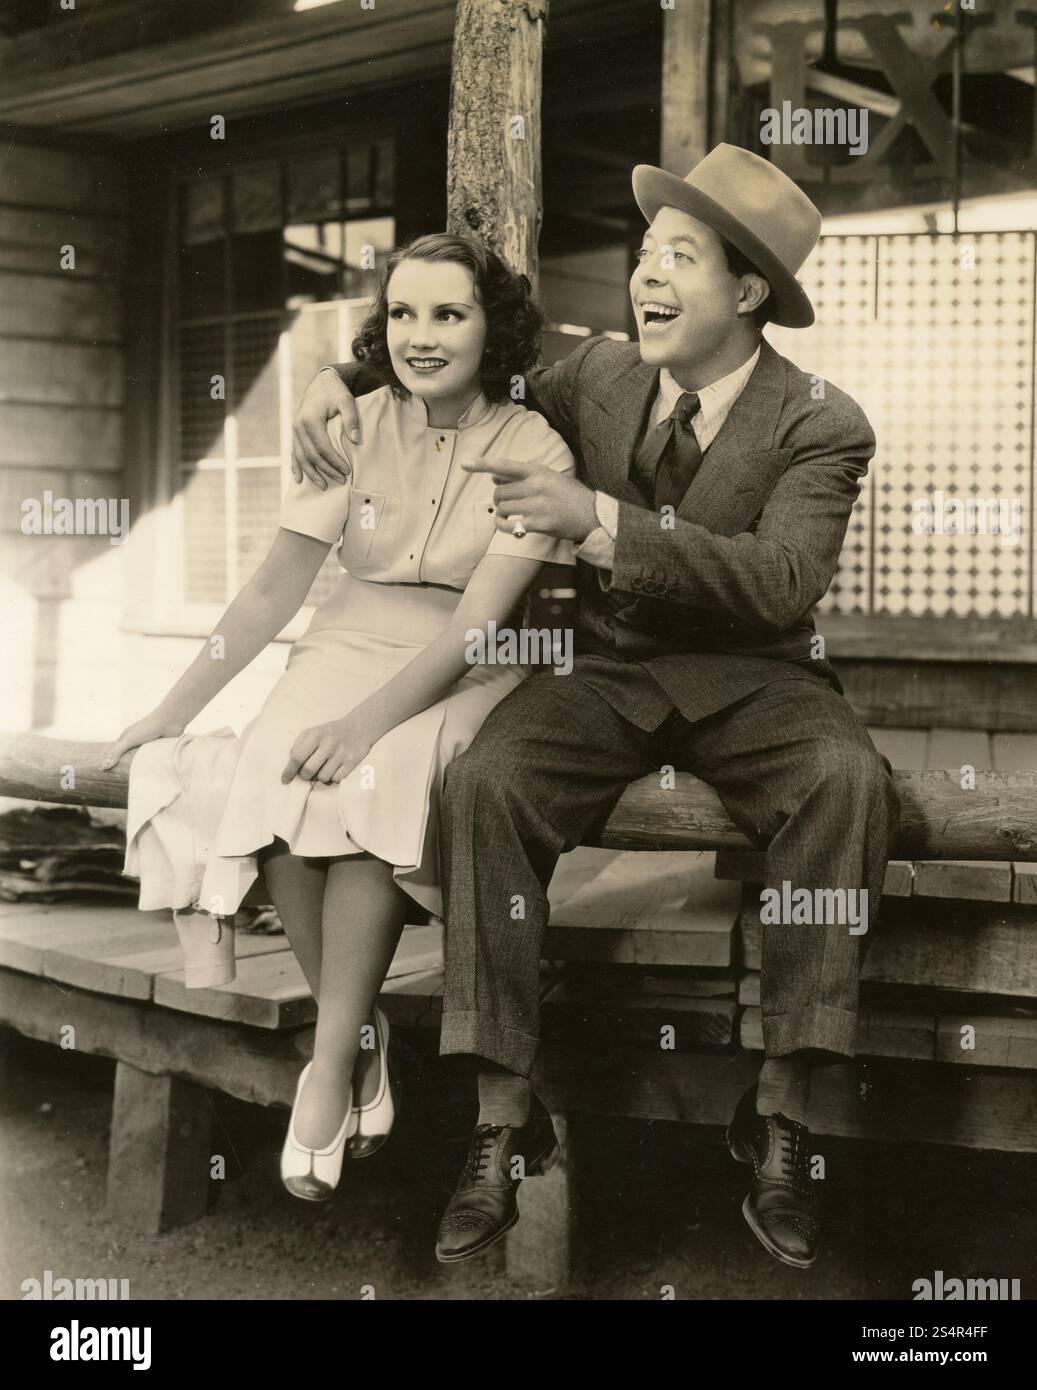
[(417, 409)]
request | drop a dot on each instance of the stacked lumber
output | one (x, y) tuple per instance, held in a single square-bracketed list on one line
[(951, 972), (648, 944), (50, 853)]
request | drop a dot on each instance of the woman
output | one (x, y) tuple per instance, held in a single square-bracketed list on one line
[(335, 784)]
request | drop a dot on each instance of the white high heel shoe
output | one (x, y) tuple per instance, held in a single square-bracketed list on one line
[(313, 1174), (375, 1119)]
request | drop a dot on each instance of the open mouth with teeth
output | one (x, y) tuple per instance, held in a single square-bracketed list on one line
[(426, 364), (652, 312)]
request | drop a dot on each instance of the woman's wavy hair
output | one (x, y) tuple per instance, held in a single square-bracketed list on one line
[(513, 319)]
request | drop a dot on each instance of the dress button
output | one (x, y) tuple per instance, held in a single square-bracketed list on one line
[(367, 499), (635, 583), (489, 509)]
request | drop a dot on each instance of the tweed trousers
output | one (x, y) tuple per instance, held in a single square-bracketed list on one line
[(795, 770)]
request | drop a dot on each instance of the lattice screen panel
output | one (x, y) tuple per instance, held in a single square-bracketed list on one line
[(933, 336)]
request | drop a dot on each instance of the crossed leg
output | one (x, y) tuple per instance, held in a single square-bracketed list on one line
[(343, 917)]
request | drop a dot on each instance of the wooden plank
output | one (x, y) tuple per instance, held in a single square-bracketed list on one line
[(899, 1101), (749, 866), (905, 748), (252, 66), (31, 929), (31, 239), (56, 373), (48, 434), (60, 306), (887, 1099), (659, 909), (594, 981), (249, 1063), (998, 1042), (921, 694), (637, 948), (638, 892), (1024, 883), (954, 749), (63, 179), (963, 878), (749, 988), (186, 109), (880, 1033), (638, 1021), (115, 951), (19, 484), (975, 948), (270, 991), (159, 1152), (977, 641), (134, 971), (413, 1001), (899, 881), (575, 869), (1014, 752)]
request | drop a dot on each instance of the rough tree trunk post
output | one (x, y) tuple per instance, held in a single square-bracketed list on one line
[(686, 88), (493, 145), (494, 193)]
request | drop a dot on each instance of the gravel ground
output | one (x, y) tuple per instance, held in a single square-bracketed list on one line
[(660, 1207)]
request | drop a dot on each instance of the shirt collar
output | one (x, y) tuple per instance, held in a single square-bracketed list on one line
[(670, 390), (417, 409)]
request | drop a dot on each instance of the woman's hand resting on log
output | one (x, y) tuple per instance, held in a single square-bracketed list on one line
[(157, 724)]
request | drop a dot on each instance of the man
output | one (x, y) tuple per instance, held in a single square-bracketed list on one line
[(716, 481)]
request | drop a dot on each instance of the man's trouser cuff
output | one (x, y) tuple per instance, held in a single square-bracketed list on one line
[(825, 1028), (483, 1035)]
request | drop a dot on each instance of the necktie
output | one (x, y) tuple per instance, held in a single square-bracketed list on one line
[(679, 454)]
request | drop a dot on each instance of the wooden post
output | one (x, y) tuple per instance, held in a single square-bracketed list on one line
[(493, 145), (722, 69), (158, 1152), (540, 1246), (686, 93)]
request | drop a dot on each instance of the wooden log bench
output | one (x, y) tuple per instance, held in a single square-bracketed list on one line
[(653, 1013)]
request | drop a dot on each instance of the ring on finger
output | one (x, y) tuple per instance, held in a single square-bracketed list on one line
[(517, 528)]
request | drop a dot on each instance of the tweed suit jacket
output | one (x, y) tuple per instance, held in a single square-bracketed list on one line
[(722, 602)]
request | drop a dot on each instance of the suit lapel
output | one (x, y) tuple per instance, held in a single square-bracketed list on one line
[(625, 399), (740, 468)]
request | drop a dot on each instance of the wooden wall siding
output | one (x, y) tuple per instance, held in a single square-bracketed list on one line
[(61, 391)]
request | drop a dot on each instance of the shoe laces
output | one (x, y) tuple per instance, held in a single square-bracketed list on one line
[(481, 1149), (793, 1155)]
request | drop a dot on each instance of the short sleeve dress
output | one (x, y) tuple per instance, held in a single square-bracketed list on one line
[(411, 526)]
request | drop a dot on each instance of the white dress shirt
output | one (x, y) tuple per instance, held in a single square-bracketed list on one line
[(715, 402)]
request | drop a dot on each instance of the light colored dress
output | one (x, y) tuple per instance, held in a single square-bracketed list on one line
[(411, 526)]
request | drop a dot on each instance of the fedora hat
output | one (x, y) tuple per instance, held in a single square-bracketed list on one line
[(756, 207)]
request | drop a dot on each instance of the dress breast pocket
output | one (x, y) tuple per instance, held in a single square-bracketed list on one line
[(369, 534)]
